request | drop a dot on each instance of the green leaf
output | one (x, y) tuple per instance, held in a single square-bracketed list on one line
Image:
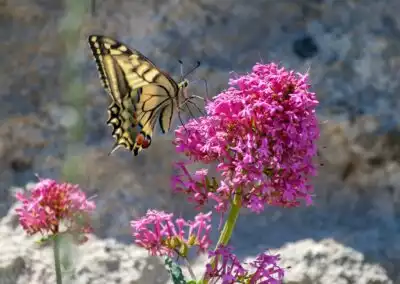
[(176, 272)]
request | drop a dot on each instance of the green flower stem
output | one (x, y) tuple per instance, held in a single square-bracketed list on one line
[(228, 227), (189, 267), (57, 263)]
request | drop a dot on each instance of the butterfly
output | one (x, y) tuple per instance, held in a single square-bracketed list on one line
[(141, 94)]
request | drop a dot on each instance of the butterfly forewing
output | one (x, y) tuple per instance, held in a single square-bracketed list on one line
[(117, 66)]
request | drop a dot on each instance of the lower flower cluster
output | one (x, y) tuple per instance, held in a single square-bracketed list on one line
[(161, 235), (51, 205), (263, 269)]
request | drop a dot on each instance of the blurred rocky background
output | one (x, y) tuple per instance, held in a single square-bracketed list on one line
[(53, 112)]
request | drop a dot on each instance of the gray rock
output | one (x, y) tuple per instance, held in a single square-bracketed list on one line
[(328, 261), (108, 261)]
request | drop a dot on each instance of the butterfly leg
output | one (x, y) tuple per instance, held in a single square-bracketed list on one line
[(189, 101), (180, 118), (202, 112), (206, 85)]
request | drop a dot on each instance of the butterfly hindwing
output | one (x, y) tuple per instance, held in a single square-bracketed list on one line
[(123, 120)]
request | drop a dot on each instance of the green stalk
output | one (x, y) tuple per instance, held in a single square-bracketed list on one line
[(228, 227), (57, 263)]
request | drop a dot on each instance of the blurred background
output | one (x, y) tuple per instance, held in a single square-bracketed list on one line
[(53, 113)]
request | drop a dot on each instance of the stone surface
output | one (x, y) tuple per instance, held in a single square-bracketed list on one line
[(22, 260), (349, 47), (328, 262)]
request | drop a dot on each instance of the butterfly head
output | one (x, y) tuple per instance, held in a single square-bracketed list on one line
[(183, 84)]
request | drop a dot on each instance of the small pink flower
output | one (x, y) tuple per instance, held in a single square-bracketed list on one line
[(50, 205), (229, 270), (227, 267), (261, 133), (157, 233), (266, 270), (195, 185)]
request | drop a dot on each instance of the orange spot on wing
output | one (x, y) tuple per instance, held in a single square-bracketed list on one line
[(140, 139)]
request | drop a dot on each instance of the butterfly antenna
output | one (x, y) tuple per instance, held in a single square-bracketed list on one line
[(191, 70), (181, 63)]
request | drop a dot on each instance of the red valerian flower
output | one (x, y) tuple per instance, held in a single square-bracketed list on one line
[(266, 269), (227, 267), (52, 206), (261, 132), (160, 235), (229, 270)]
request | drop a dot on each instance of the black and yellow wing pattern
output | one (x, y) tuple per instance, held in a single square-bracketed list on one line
[(141, 93)]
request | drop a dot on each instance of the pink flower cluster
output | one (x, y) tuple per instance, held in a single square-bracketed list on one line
[(50, 205), (262, 134), (160, 235), (229, 269)]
